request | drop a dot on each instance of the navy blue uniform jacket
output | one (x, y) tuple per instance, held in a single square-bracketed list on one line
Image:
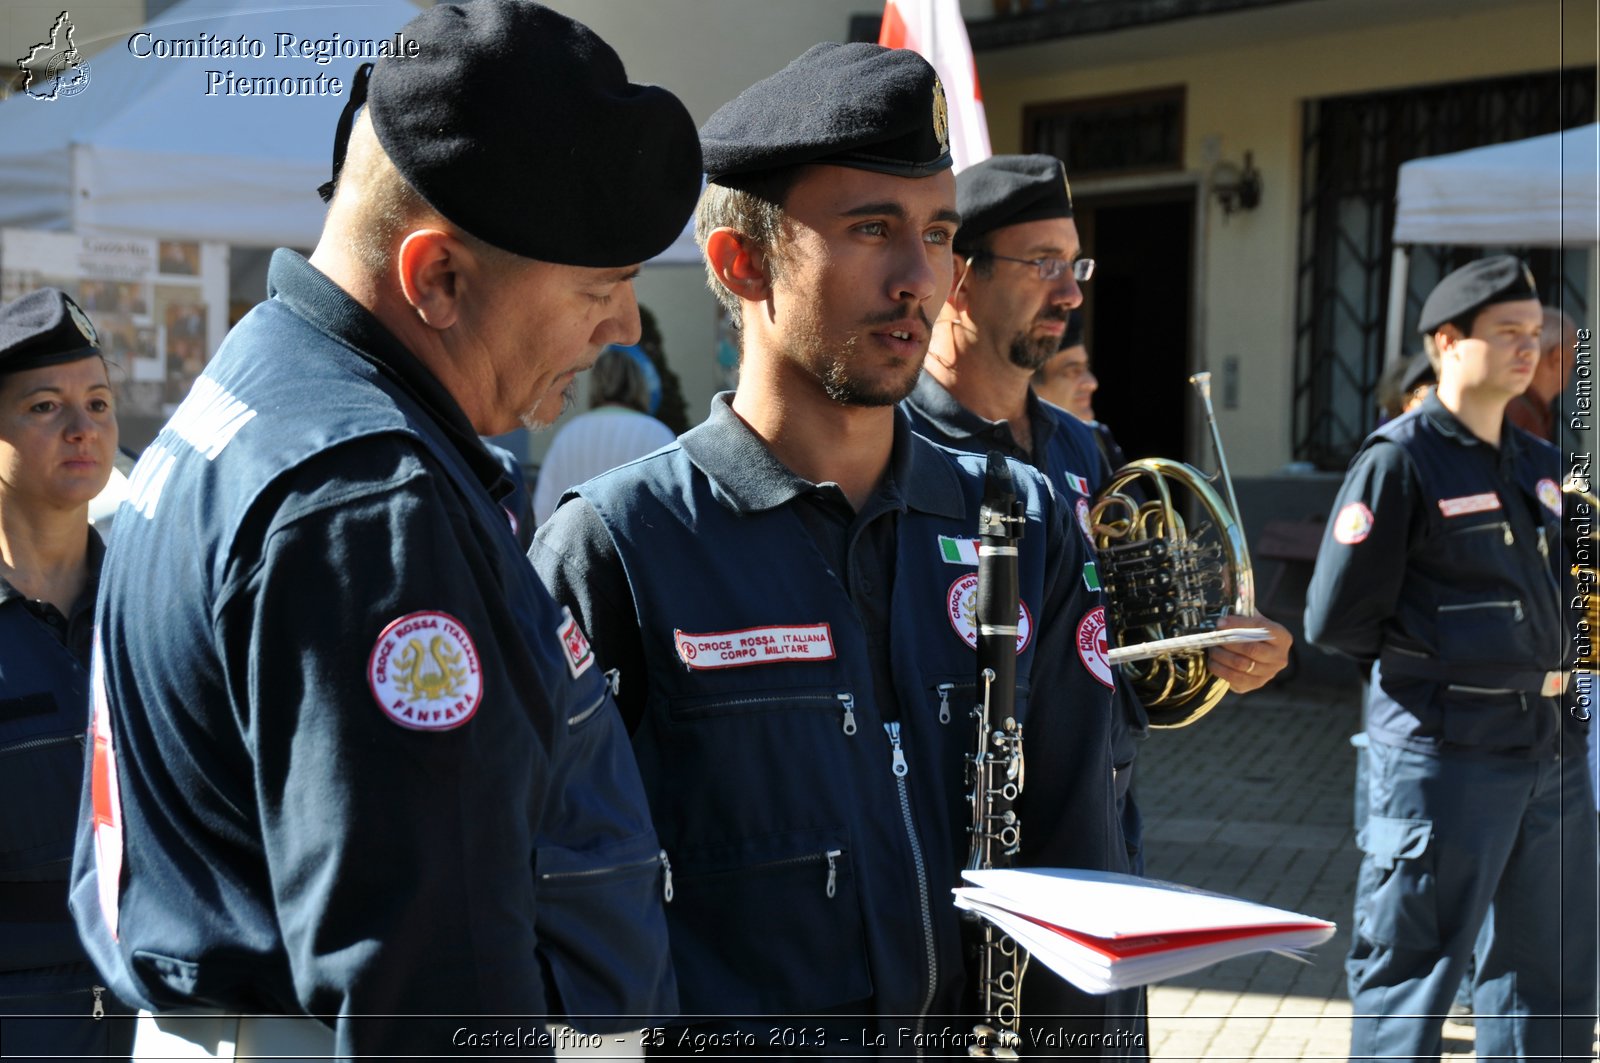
[(780, 657), (1441, 563), (350, 756)]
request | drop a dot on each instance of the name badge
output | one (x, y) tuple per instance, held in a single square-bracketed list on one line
[(1460, 507), (754, 645)]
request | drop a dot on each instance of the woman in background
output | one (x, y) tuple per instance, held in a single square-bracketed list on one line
[(614, 431), (58, 433)]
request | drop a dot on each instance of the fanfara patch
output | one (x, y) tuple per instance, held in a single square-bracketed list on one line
[(1550, 495), (1083, 519), (1353, 524), (754, 645), (424, 672), (941, 115), (961, 604), (1092, 645), (574, 645)]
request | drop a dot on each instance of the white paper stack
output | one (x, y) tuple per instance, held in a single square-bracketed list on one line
[(1103, 931)]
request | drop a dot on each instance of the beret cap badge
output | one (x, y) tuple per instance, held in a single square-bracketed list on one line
[(941, 115), (85, 326)]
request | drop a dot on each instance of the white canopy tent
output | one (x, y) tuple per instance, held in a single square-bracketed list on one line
[(1540, 192), (144, 150)]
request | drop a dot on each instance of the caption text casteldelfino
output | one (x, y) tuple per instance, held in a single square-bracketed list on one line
[(285, 46)]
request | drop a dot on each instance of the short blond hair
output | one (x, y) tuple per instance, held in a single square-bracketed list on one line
[(384, 206)]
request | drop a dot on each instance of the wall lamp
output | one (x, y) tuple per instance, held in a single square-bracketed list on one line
[(1236, 188)]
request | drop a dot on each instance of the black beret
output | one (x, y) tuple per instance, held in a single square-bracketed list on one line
[(521, 126), (1501, 279), (1007, 190), (1419, 371), (44, 328), (1073, 336), (858, 105)]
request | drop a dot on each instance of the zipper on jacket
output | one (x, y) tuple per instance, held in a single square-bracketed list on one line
[(831, 856), (666, 877), (590, 872), (613, 679), (573, 721), (698, 706), (901, 770), (99, 1010), (1515, 605), (944, 701), (35, 743)]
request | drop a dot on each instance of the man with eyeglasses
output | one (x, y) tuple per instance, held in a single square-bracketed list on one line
[(1018, 267), (1018, 272)]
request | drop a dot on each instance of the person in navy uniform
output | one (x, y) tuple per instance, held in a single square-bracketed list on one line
[(352, 763), (58, 434), (1018, 268), (786, 594), (1440, 567)]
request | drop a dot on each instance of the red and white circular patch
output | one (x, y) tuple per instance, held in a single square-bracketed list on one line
[(1083, 520), (961, 605), (1353, 524), (1550, 495), (424, 672), (1092, 645)]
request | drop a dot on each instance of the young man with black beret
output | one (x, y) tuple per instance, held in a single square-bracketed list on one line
[(351, 763), (1441, 568), (786, 595)]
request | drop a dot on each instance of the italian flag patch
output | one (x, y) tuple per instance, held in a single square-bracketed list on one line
[(958, 551), (1091, 576), (1077, 483)]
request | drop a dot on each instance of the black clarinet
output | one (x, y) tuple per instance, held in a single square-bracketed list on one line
[(995, 771)]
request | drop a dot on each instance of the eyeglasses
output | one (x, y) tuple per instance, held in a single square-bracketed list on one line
[(1052, 268)]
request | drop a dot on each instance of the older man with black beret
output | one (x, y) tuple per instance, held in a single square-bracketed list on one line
[(350, 761), (787, 595), (1441, 568)]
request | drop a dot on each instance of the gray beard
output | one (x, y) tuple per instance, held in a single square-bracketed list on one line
[(530, 418), (1033, 354)]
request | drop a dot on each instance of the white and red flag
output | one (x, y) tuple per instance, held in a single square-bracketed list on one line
[(934, 30)]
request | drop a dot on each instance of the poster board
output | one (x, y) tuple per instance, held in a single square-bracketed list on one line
[(160, 306)]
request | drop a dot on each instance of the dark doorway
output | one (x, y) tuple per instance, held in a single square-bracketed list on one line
[(1138, 310)]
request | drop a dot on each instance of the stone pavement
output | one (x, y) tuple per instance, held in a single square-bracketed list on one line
[(1255, 800)]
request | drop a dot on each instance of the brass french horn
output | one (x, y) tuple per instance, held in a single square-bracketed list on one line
[(1166, 574)]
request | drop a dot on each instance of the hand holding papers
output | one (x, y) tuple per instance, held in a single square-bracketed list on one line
[(1221, 636), (1103, 931)]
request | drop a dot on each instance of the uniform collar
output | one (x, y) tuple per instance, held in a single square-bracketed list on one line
[(954, 421), (748, 478), (1449, 425), (328, 307)]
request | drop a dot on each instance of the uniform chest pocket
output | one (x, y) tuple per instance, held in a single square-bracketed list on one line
[(771, 925), (42, 773), (1479, 631), (598, 915), (836, 704), (954, 698)]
